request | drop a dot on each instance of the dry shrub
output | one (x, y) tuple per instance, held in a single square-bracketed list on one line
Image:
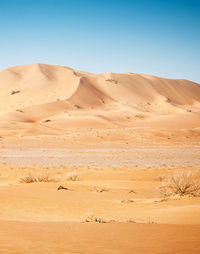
[(131, 221), (182, 183), (32, 179), (73, 176), (45, 178), (92, 218), (28, 179)]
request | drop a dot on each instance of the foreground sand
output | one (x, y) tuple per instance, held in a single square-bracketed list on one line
[(118, 238), (38, 218), (119, 194)]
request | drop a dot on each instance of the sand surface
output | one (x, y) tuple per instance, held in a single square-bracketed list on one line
[(28, 237), (121, 136), (102, 157), (133, 214)]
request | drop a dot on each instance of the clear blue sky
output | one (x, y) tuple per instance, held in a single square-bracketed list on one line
[(157, 37)]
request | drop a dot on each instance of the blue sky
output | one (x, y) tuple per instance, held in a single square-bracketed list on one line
[(157, 37)]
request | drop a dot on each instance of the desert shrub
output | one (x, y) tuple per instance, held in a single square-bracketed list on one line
[(182, 183), (92, 218), (73, 176), (131, 221), (45, 178), (28, 179), (32, 179)]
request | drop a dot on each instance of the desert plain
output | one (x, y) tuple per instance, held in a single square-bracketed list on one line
[(87, 161)]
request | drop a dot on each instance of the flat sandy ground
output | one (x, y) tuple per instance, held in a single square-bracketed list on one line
[(116, 185), (55, 237)]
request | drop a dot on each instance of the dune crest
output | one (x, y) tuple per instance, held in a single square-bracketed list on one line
[(62, 96)]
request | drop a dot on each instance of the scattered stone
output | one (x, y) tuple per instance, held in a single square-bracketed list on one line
[(14, 92), (46, 121), (62, 188)]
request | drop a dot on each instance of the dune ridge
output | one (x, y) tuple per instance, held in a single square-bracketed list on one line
[(60, 96)]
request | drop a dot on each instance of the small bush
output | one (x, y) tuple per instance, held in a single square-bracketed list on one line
[(182, 183), (73, 176), (131, 221), (32, 179), (28, 179), (92, 218), (45, 178)]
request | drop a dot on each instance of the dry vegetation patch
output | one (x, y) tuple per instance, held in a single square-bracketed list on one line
[(181, 183), (73, 176), (94, 219), (28, 179), (40, 178)]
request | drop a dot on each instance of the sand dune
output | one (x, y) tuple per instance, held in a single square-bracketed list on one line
[(66, 98)]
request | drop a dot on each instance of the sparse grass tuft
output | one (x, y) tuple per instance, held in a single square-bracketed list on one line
[(33, 179), (28, 179), (92, 218), (182, 183), (73, 176), (131, 221), (45, 178)]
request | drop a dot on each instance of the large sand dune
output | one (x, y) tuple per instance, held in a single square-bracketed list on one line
[(49, 99)]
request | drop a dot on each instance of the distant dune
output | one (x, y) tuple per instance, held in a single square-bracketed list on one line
[(60, 97)]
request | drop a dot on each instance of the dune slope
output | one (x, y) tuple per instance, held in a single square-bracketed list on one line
[(57, 96)]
